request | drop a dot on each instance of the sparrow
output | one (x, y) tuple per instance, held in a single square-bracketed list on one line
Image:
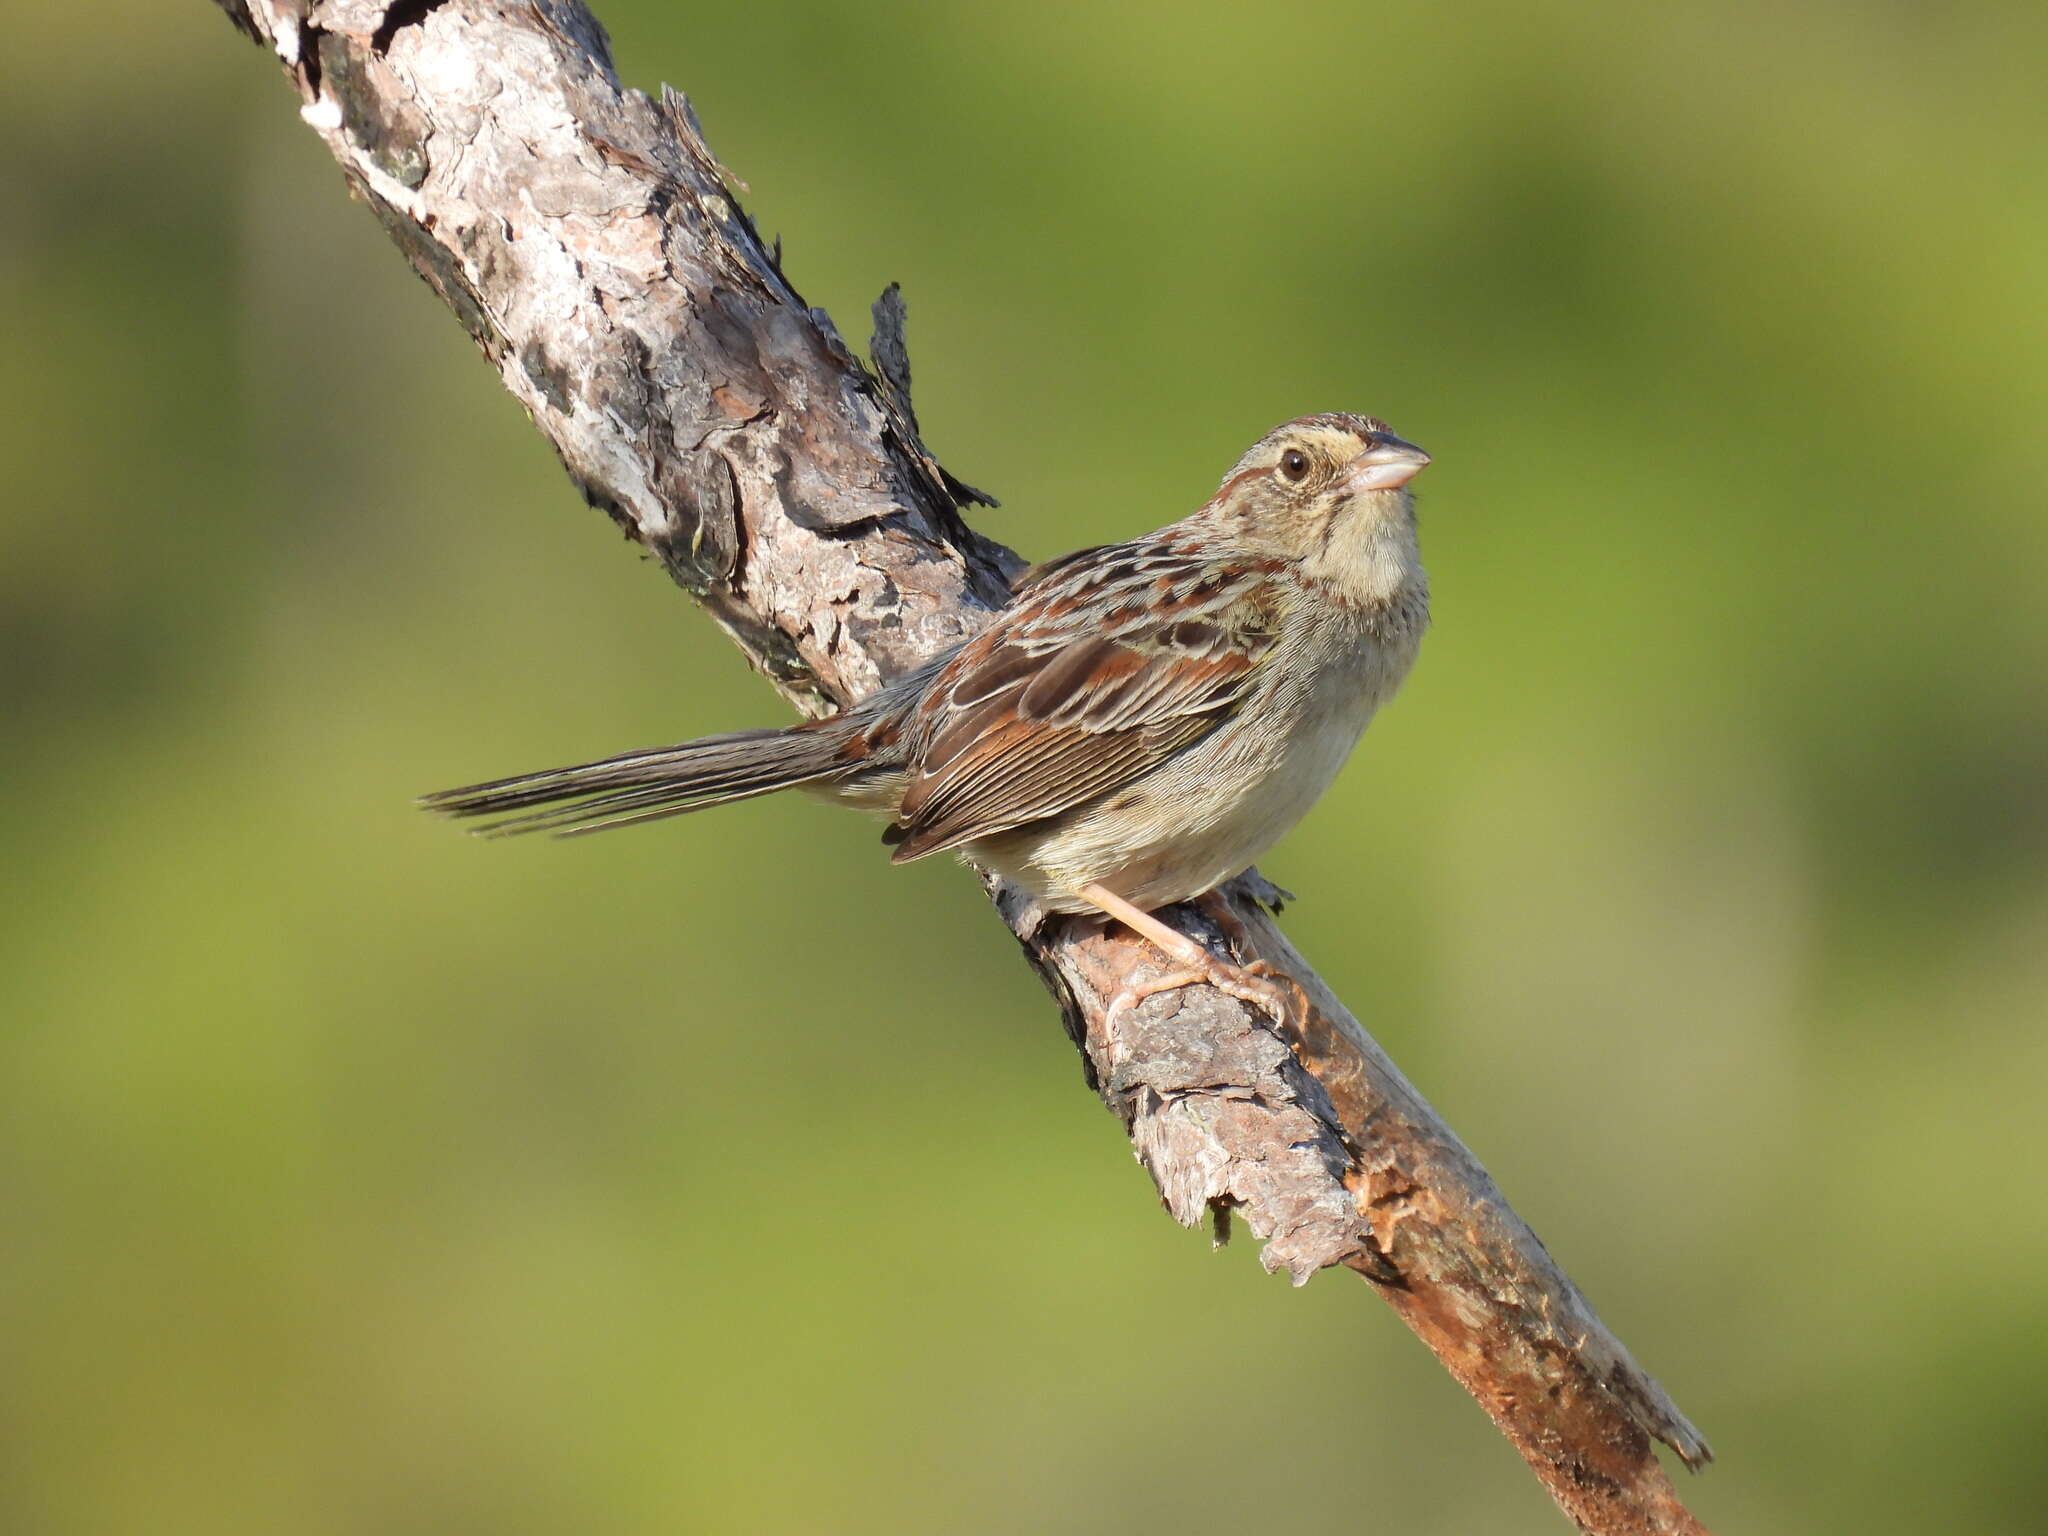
[(1136, 727)]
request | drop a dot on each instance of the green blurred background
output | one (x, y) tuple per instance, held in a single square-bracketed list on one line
[(719, 1177)]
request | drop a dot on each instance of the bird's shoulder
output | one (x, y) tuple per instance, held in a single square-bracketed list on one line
[(1166, 595)]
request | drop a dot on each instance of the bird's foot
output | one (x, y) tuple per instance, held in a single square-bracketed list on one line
[(1275, 994), (1257, 985)]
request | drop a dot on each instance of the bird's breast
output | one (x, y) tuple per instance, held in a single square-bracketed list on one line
[(1208, 813)]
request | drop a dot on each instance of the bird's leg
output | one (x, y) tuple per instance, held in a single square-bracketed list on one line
[(1248, 984), (1175, 944)]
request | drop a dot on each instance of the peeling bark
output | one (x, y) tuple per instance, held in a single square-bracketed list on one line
[(594, 248)]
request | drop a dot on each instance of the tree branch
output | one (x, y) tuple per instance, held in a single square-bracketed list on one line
[(588, 240)]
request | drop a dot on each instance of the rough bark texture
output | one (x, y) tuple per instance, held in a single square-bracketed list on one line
[(587, 239)]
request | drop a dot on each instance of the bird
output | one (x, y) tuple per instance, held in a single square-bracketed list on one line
[(1133, 730)]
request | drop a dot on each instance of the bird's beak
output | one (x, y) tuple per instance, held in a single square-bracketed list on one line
[(1389, 464)]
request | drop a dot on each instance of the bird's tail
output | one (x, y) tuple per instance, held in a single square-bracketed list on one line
[(645, 786)]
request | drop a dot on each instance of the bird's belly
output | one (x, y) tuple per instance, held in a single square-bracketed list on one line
[(1192, 823)]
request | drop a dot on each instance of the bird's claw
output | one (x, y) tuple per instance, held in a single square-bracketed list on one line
[(1133, 993), (1257, 985), (1273, 992)]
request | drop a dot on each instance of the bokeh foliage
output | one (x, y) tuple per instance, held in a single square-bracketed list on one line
[(719, 1177)]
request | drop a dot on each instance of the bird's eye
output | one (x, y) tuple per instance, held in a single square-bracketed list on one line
[(1294, 464)]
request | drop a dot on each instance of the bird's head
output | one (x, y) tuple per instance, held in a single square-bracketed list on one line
[(1329, 492)]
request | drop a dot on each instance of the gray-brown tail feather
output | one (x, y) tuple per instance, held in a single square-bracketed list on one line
[(645, 786)]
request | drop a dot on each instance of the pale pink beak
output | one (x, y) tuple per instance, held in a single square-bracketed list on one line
[(1389, 464)]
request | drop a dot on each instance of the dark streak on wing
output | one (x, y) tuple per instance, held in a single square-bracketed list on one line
[(1039, 713)]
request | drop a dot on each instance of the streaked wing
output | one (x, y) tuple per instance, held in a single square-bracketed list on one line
[(1100, 670)]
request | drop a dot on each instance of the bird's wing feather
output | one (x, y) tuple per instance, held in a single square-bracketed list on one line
[(1047, 709)]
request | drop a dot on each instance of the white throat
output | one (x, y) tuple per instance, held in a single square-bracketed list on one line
[(1371, 555)]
